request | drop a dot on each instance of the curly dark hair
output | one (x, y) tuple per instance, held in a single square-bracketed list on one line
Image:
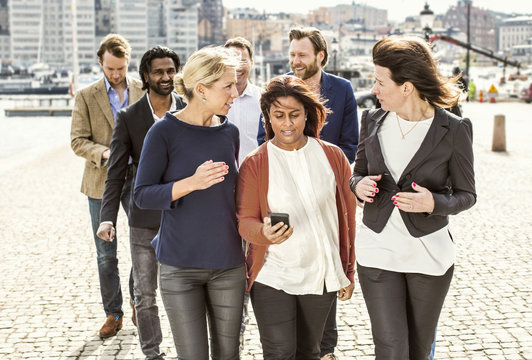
[(157, 52), (289, 85)]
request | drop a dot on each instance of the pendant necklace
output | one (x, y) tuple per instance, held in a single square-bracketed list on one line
[(403, 134)]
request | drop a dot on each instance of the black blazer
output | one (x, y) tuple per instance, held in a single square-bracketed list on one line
[(132, 125), (443, 164)]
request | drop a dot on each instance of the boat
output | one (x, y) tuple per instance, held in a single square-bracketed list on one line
[(31, 86)]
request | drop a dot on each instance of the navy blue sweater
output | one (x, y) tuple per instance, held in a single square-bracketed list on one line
[(199, 229)]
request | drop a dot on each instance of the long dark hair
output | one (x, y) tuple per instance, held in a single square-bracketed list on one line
[(288, 85), (410, 59)]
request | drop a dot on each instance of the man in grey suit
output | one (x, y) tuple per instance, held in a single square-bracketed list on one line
[(157, 70), (93, 120)]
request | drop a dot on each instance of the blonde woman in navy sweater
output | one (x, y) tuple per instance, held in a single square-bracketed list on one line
[(188, 169)]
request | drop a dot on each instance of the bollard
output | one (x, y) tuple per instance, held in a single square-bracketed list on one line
[(481, 96), (499, 133)]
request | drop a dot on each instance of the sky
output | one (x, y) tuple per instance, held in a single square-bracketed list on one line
[(398, 10)]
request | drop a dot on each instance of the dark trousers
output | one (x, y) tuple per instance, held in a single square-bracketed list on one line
[(144, 267), (404, 309), (190, 296), (290, 326), (330, 333)]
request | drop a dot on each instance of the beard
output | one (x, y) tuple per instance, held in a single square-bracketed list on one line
[(160, 88), (118, 82), (310, 70)]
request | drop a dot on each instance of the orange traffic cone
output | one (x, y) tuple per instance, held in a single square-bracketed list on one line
[(481, 96)]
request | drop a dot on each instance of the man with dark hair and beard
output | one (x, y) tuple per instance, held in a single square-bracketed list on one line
[(308, 56), (157, 70)]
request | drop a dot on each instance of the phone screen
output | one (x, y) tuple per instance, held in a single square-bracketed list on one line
[(280, 217)]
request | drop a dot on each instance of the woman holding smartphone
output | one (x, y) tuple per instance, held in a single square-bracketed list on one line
[(188, 169), (295, 271)]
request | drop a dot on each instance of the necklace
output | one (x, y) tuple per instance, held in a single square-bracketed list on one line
[(403, 134)]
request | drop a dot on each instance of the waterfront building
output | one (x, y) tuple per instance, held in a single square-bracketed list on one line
[(85, 34), (40, 31), (24, 20), (482, 24), (5, 52), (130, 19), (156, 23), (362, 14), (211, 23), (182, 26), (515, 31)]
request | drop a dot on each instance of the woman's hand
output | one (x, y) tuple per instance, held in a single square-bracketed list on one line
[(366, 189), (420, 201), (346, 293), (208, 174), (278, 233)]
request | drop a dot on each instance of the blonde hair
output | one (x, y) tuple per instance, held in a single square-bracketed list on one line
[(205, 66)]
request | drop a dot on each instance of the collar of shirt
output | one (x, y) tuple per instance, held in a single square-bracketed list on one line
[(173, 107), (114, 98), (251, 90)]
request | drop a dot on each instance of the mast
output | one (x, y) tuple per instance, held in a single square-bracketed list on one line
[(75, 64), (41, 34)]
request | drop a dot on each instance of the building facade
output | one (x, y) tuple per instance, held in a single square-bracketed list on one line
[(515, 31), (210, 23), (182, 26), (482, 24), (130, 19)]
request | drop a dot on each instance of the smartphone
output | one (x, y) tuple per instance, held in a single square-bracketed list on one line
[(280, 217)]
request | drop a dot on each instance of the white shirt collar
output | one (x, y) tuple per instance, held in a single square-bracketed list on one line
[(173, 107)]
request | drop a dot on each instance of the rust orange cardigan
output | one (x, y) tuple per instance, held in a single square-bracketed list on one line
[(252, 207)]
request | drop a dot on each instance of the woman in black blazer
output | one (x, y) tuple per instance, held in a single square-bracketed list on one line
[(414, 167)]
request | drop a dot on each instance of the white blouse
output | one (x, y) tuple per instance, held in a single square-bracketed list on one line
[(394, 249), (302, 184)]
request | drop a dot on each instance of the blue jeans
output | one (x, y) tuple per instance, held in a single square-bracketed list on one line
[(433, 348), (106, 256)]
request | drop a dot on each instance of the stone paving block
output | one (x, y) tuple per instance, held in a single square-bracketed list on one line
[(50, 283)]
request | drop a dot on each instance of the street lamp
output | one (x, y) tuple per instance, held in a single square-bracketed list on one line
[(426, 17), (334, 47)]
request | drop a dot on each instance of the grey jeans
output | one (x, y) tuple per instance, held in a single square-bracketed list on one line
[(145, 287), (190, 297)]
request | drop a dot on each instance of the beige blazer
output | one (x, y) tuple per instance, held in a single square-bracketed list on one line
[(91, 131)]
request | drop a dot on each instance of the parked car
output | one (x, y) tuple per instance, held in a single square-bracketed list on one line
[(526, 94), (366, 99)]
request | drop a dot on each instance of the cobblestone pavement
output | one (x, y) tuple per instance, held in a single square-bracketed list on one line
[(49, 293)]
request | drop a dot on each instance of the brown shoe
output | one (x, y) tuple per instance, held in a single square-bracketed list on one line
[(134, 315), (111, 326)]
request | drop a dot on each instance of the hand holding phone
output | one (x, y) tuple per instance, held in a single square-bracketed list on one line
[(275, 232), (280, 217)]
